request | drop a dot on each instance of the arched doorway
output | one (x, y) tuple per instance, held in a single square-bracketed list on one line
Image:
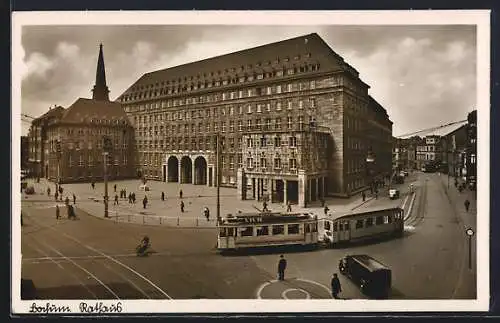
[(172, 169), (200, 171), (186, 170)]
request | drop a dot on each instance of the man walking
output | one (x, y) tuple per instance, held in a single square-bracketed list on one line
[(163, 196), (115, 188), (467, 205), (207, 213), (281, 268), (182, 206), (326, 209), (93, 185), (336, 287), (363, 195), (288, 206), (264, 206), (74, 198), (116, 199), (66, 201), (58, 212), (180, 194), (145, 201)]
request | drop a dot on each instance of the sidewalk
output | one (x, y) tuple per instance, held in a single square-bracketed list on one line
[(158, 212), (467, 220)]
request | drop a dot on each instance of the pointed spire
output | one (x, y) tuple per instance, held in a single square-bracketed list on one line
[(100, 90)]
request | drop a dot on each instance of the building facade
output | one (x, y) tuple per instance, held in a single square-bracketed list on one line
[(37, 141), (471, 150), (429, 151), (273, 90), (25, 151), (453, 147), (72, 142)]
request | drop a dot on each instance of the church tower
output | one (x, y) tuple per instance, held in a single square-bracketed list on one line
[(100, 90)]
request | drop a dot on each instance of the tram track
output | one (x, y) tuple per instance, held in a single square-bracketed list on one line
[(118, 279)]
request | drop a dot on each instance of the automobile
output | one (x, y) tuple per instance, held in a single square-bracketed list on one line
[(373, 277), (393, 193), (29, 190), (144, 187), (405, 173)]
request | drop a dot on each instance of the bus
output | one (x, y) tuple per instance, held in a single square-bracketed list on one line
[(266, 229), (361, 224)]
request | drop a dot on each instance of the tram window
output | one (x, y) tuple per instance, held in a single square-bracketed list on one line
[(346, 226), (293, 229), (335, 226), (327, 226), (263, 231), (386, 219), (389, 219), (247, 232), (341, 226), (369, 222), (278, 229), (314, 227), (359, 224), (230, 232), (222, 232), (379, 220), (307, 227)]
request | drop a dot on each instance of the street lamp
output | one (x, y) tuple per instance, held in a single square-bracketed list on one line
[(106, 149), (370, 159), (470, 233)]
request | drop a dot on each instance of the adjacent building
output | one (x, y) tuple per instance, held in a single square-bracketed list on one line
[(471, 150), (69, 142), (294, 121), (24, 152), (453, 148), (429, 151)]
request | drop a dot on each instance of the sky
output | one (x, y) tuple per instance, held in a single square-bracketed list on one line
[(423, 75)]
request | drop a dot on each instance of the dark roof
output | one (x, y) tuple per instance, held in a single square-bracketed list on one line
[(56, 112), (369, 262), (93, 111), (378, 109), (249, 61)]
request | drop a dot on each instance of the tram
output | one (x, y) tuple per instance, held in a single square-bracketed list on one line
[(363, 224), (251, 230)]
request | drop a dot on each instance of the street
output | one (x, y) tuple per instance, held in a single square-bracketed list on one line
[(94, 258)]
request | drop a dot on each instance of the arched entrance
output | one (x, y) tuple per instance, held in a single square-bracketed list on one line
[(200, 171), (172, 169), (186, 170)]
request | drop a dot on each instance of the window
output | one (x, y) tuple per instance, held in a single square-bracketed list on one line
[(289, 87), (312, 85), (312, 101), (246, 232), (249, 108), (249, 162), (369, 222), (80, 161), (268, 90), (249, 124), (301, 104), (292, 141), (222, 232), (379, 220), (278, 106), (335, 227), (359, 224), (240, 125), (293, 229), (268, 107), (289, 105), (277, 141), (293, 163), (278, 229), (91, 161), (277, 163), (263, 162), (263, 141), (263, 231), (278, 89), (289, 122)]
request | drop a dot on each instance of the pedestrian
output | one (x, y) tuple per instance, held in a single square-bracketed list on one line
[(66, 201), (129, 198), (288, 206), (115, 188), (56, 195), (182, 206), (58, 212), (74, 198), (116, 199), (326, 209), (68, 209), (133, 198), (163, 196), (93, 185), (467, 205), (145, 201), (376, 193), (363, 195), (48, 191), (336, 287), (281, 268), (124, 193), (180, 194), (264, 206), (61, 190), (207, 213)]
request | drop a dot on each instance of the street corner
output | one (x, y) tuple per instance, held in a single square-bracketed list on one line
[(293, 288)]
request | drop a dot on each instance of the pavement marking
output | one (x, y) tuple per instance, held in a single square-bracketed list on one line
[(114, 260), (264, 285), (286, 291), (64, 269), (85, 270)]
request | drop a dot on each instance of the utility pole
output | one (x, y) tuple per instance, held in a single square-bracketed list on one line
[(217, 156)]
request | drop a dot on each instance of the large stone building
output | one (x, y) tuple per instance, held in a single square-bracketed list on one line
[(471, 150), (429, 151), (38, 163), (292, 117), (71, 140), (25, 151)]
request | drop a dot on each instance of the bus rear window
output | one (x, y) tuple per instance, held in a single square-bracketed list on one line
[(247, 232), (222, 232), (359, 224), (379, 219), (230, 232), (278, 229), (346, 226), (369, 222), (293, 229)]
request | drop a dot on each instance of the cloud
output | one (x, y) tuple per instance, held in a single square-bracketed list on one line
[(423, 75)]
